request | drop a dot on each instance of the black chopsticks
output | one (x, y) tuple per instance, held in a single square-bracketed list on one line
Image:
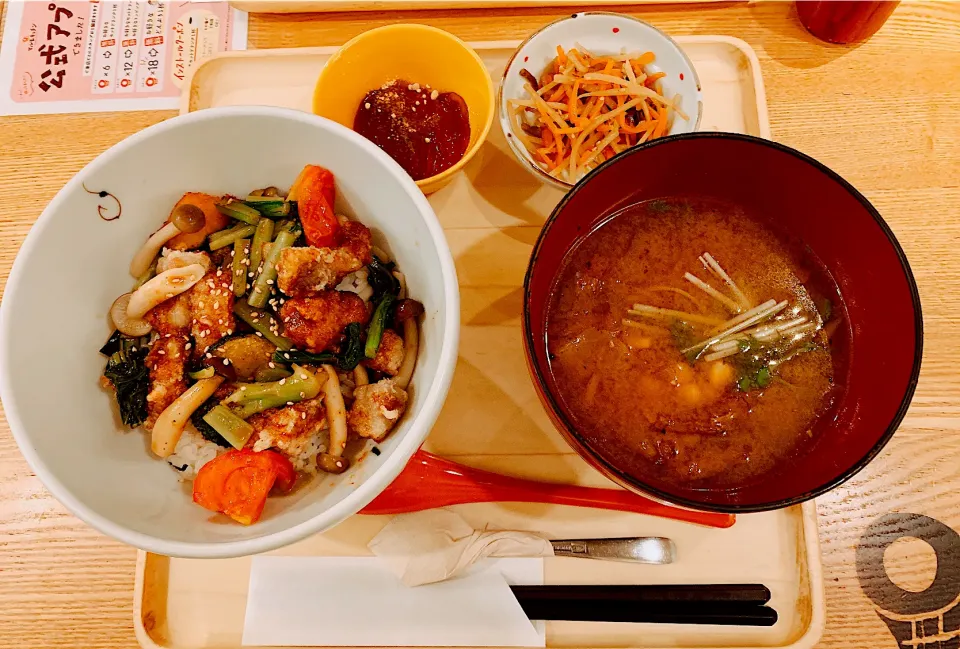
[(726, 604)]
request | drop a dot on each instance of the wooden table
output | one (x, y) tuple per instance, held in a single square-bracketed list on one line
[(886, 115)]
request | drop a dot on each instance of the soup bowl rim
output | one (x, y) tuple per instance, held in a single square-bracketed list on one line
[(633, 483)]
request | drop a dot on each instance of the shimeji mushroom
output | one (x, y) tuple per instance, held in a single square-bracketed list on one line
[(163, 287), (184, 218), (169, 427), (333, 461)]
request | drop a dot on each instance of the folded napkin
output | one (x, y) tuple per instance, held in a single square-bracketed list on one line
[(435, 545)]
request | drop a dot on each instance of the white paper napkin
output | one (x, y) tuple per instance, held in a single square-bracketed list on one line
[(359, 602), (434, 545)]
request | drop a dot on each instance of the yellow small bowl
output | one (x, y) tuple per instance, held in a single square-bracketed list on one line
[(414, 53)]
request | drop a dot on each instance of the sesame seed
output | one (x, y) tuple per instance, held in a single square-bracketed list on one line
[(161, 352), (243, 387), (260, 334), (367, 105), (220, 321), (166, 335), (303, 415), (206, 332), (209, 355), (203, 334), (250, 274), (427, 140), (434, 94), (289, 403), (271, 364), (188, 346), (303, 376), (216, 305), (169, 295), (229, 332), (226, 361), (286, 356), (220, 272), (282, 381), (302, 394), (199, 304), (270, 282)]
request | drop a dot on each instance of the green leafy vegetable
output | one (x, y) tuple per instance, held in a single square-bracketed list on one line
[(209, 432), (260, 291), (381, 279), (228, 426), (348, 358), (763, 377), (272, 207), (113, 343), (128, 373), (252, 398), (240, 211), (684, 337), (378, 323)]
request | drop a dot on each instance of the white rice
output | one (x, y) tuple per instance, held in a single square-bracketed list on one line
[(191, 453), (356, 282), (301, 451)]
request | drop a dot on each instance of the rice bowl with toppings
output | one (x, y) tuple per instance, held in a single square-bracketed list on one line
[(241, 350), (81, 449)]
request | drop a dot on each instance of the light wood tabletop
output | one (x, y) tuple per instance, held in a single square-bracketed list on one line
[(885, 115)]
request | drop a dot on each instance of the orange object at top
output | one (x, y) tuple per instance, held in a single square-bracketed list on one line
[(315, 193), (237, 483)]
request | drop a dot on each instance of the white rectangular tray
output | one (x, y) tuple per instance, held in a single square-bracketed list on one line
[(492, 213)]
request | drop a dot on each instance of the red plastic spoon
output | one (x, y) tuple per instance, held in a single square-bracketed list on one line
[(429, 481)]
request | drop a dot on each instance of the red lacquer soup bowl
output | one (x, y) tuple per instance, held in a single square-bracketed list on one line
[(876, 357)]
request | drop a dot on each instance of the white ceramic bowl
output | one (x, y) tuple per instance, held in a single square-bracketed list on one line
[(601, 33), (53, 319)]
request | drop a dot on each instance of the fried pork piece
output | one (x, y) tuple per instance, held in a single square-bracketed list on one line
[(389, 355), (211, 308), (302, 272), (356, 239), (171, 316), (316, 324), (307, 271), (166, 361), (376, 409), (291, 430), (179, 259)]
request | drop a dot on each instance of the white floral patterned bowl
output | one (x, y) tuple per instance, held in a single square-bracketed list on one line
[(53, 320)]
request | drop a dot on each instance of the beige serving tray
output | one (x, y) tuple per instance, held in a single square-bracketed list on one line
[(492, 213), (309, 6)]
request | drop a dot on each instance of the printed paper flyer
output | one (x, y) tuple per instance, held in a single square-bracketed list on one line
[(60, 57)]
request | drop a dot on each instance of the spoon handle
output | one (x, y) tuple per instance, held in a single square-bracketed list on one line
[(429, 481), (641, 549)]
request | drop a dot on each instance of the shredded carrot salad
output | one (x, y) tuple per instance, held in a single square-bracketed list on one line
[(586, 108)]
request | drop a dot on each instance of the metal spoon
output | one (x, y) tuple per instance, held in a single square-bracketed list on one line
[(639, 549)]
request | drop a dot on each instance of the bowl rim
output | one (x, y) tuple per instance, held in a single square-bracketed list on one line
[(521, 153), (635, 484), (367, 490), (482, 133)]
